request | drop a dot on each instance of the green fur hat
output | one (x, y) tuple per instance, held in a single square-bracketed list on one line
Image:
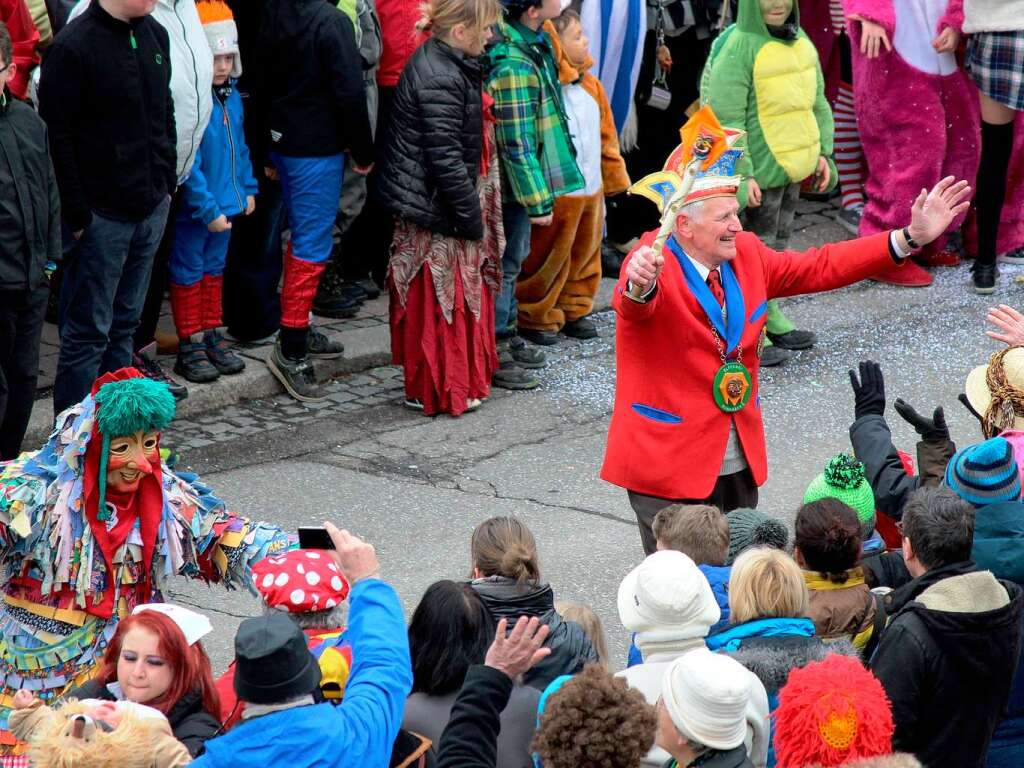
[(844, 479), (123, 408)]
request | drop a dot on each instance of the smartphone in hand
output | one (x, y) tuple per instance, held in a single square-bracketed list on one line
[(314, 537)]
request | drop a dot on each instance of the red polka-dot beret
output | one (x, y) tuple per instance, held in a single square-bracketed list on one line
[(300, 581)]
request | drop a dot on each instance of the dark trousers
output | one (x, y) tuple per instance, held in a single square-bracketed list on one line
[(21, 325), (730, 492), (252, 306), (157, 287), (105, 281)]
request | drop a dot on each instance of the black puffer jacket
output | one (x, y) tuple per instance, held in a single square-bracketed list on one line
[(433, 144), (192, 725), (571, 649)]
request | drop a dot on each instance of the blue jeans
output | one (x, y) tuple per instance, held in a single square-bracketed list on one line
[(101, 299), (517, 248), (312, 189)]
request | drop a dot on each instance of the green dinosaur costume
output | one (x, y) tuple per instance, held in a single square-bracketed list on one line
[(772, 88)]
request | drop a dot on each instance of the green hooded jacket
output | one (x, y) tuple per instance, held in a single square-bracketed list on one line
[(774, 90)]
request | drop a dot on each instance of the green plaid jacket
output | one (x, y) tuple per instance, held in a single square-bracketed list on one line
[(538, 159)]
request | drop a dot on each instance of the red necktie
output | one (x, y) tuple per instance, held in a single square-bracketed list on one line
[(715, 284)]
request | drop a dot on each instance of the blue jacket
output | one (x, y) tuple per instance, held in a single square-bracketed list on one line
[(222, 175), (999, 547), (359, 732)]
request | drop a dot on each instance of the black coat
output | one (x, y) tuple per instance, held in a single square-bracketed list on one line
[(308, 83), (105, 96), (432, 148), (29, 202), (192, 725), (947, 671), (571, 649), (470, 740)]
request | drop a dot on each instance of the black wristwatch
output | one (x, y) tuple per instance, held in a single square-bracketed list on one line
[(910, 241)]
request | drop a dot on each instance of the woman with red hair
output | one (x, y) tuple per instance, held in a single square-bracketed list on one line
[(155, 658)]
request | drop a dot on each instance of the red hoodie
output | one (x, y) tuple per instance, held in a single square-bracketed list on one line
[(398, 19), (14, 14)]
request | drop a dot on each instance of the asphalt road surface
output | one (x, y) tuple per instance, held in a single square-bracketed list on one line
[(415, 487)]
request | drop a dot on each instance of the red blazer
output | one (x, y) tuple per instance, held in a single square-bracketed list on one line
[(667, 436)]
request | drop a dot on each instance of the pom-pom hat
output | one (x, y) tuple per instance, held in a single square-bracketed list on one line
[(985, 473), (300, 581), (750, 528), (843, 479), (831, 712), (221, 32)]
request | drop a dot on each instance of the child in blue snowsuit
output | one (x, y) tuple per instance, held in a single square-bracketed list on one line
[(220, 187)]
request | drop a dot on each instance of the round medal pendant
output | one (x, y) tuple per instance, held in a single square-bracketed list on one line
[(732, 387)]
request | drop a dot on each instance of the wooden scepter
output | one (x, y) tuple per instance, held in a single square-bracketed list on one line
[(701, 149)]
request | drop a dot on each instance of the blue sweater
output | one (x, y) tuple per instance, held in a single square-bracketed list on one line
[(222, 176), (359, 732)]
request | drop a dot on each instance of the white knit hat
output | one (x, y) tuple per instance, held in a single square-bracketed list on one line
[(668, 591), (706, 696)]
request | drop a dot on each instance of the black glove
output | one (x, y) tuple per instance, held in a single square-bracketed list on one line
[(869, 391), (933, 430)]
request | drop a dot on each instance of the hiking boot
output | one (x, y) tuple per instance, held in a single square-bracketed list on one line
[(984, 277), (793, 339), (220, 353), (584, 328), (773, 356), (849, 219), (543, 338), (369, 287), (320, 346), (297, 376), (331, 299), (511, 376), (151, 369), (518, 351), (192, 364)]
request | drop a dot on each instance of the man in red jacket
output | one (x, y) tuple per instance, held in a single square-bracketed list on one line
[(25, 36), (687, 419)]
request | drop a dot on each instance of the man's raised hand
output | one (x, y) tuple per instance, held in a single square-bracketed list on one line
[(644, 267), (521, 649)]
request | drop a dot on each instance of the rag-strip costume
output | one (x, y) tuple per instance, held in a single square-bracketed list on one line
[(826, 27), (442, 300), (916, 109), (78, 555), (560, 277)]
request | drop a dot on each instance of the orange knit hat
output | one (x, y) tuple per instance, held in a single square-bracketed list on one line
[(221, 32)]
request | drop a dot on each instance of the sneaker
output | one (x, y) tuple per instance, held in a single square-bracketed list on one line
[(151, 369), (220, 353), (543, 338), (511, 376), (773, 356), (413, 404), (297, 376), (849, 219), (584, 328), (522, 354), (473, 404), (984, 277), (793, 339), (192, 364), (1013, 257), (322, 347)]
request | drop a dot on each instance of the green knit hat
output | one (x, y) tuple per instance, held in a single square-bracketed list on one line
[(123, 408), (750, 528), (843, 479)]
